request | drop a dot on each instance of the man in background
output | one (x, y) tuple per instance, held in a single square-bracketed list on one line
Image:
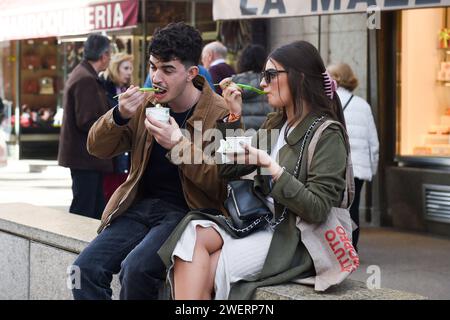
[(213, 59), (84, 102)]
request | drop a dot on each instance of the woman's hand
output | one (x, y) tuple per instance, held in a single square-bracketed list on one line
[(232, 95), (260, 158)]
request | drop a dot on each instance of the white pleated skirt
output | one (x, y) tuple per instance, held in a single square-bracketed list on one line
[(240, 259)]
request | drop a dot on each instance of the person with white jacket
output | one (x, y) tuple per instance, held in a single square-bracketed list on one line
[(364, 145)]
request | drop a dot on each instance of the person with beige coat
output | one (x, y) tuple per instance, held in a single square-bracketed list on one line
[(84, 103)]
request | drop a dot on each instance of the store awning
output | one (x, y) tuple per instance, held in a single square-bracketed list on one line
[(248, 9), (27, 19)]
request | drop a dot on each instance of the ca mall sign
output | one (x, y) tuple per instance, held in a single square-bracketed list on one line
[(248, 9), (26, 19)]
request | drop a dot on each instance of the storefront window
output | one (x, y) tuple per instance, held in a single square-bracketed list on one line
[(424, 84), (197, 13), (70, 52), (7, 85), (203, 18), (33, 71), (160, 13), (39, 85)]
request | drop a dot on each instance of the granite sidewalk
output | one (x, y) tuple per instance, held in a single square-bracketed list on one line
[(412, 262)]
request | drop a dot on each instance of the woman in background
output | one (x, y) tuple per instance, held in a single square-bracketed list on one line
[(117, 79), (361, 131)]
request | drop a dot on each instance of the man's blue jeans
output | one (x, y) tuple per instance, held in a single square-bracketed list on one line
[(129, 245)]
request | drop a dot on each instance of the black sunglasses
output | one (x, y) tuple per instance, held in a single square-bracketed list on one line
[(271, 74)]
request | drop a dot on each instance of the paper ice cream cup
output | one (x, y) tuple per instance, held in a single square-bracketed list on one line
[(161, 114), (233, 144)]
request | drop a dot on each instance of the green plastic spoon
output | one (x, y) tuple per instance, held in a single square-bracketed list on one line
[(247, 87), (140, 89)]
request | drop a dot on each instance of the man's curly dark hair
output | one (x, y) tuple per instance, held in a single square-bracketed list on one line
[(177, 40)]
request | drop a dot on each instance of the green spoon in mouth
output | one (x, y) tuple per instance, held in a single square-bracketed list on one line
[(142, 90), (247, 87)]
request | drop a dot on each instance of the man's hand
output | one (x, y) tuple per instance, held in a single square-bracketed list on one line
[(167, 135), (130, 101)]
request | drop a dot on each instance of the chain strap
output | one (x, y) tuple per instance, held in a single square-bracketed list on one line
[(274, 224), (249, 227)]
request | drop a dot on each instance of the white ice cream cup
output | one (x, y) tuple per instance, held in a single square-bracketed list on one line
[(233, 144), (161, 113)]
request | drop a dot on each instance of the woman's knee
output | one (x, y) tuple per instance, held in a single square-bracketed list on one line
[(209, 239)]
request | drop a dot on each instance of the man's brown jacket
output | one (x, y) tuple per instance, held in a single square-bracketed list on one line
[(202, 186)]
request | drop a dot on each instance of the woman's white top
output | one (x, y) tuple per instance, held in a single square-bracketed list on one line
[(362, 133), (281, 142)]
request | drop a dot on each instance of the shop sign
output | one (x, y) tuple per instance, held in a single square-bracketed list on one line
[(248, 9), (61, 18)]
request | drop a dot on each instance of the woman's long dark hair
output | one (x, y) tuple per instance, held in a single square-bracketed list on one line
[(305, 70)]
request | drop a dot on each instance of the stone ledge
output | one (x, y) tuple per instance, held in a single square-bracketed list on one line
[(71, 232), (63, 230), (38, 244), (347, 290)]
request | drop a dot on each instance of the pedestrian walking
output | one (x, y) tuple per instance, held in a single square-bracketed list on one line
[(84, 102), (361, 131)]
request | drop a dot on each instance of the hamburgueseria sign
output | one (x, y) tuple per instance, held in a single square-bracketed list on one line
[(248, 9), (46, 18)]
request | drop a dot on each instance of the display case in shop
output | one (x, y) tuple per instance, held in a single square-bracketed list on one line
[(8, 77), (423, 116), (39, 83), (39, 86), (436, 140)]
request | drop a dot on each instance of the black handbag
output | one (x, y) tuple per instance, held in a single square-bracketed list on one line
[(247, 206)]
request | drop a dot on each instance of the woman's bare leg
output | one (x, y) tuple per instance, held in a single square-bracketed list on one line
[(213, 260), (192, 279)]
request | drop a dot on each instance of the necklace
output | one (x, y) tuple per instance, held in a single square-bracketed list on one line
[(197, 98), (182, 126), (189, 112)]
